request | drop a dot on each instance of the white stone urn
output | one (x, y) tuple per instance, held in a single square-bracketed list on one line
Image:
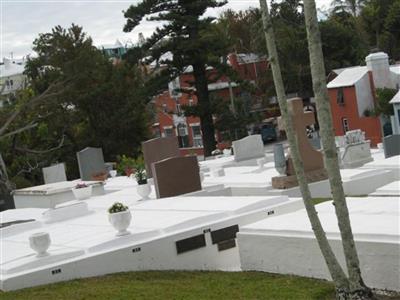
[(144, 190), (260, 163), (40, 242), (113, 173), (120, 221), (82, 193)]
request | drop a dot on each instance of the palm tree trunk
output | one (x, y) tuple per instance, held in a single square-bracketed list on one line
[(358, 289), (337, 274)]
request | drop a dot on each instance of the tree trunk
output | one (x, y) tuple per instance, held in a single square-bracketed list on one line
[(358, 289), (203, 101), (337, 274)]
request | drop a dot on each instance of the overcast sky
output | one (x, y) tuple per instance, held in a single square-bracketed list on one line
[(22, 20)]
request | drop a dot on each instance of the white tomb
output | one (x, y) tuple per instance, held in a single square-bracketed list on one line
[(356, 150), (191, 233), (286, 244), (52, 194)]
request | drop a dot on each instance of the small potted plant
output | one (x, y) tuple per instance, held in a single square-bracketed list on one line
[(82, 191), (120, 218), (143, 188)]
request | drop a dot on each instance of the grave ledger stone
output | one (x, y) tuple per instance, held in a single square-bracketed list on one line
[(91, 163), (176, 176), (248, 147), (312, 159), (55, 173), (158, 149)]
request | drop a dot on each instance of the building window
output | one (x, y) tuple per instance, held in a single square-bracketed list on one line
[(190, 101), (168, 131), (197, 139), (345, 124), (340, 96), (178, 109), (164, 107)]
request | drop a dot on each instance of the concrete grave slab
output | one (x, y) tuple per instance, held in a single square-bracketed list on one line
[(290, 241)]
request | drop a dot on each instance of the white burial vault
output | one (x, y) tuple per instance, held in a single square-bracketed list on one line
[(191, 233), (286, 244)]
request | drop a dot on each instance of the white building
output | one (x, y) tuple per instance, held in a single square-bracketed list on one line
[(12, 78)]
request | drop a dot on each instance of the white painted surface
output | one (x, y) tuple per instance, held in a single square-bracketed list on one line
[(378, 64), (290, 241), (86, 245), (356, 155), (364, 96), (348, 77), (50, 195)]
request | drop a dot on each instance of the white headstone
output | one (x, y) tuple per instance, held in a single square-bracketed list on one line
[(248, 147), (357, 151), (55, 173)]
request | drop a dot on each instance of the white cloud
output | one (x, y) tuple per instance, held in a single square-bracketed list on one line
[(23, 20)]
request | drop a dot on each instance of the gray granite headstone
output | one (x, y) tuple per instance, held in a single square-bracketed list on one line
[(176, 176), (55, 173), (91, 162), (391, 145), (248, 147)]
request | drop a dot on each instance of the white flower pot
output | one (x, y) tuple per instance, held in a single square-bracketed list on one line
[(121, 221), (113, 173), (82, 193), (144, 191), (40, 242)]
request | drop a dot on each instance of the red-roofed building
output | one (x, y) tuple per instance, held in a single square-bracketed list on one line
[(169, 118), (352, 95)]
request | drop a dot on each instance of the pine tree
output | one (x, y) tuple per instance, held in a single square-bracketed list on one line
[(184, 35)]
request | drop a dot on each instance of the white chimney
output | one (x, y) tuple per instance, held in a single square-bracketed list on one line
[(378, 64), (7, 63)]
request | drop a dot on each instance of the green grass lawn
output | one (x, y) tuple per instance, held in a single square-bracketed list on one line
[(181, 285)]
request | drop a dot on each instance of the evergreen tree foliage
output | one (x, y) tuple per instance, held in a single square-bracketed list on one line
[(182, 43)]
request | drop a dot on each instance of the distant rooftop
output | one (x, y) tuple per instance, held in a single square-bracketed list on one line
[(11, 67), (396, 98), (347, 76)]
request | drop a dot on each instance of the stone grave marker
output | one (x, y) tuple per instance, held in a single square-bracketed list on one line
[(357, 151), (91, 163), (176, 176), (54, 173), (312, 159), (158, 149), (391, 145), (248, 147)]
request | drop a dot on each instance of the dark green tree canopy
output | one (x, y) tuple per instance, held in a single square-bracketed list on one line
[(92, 103)]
